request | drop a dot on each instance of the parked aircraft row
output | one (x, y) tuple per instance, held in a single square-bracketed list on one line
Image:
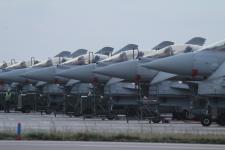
[(185, 80)]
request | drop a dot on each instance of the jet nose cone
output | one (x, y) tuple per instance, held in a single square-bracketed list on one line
[(66, 74), (43, 74), (179, 64), (5, 77), (12, 76), (124, 70), (83, 73)]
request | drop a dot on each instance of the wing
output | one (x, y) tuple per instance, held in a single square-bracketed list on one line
[(220, 72), (114, 80), (72, 82), (162, 76)]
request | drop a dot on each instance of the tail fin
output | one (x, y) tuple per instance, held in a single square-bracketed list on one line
[(79, 52), (63, 54), (162, 45), (105, 51), (200, 41), (127, 47)]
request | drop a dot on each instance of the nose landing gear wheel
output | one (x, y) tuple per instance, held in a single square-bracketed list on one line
[(48, 112), (206, 121), (156, 120)]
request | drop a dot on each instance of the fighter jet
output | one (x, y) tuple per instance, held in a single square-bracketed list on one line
[(54, 88), (205, 63), (207, 67), (86, 74), (133, 71), (13, 73), (7, 71), (49, 74)]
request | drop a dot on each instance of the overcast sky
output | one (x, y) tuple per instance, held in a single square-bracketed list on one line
[(42, 28)]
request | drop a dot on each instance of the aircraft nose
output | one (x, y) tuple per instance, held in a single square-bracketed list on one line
[(43, 74), (124, 70), (67, 73), (179, 64), (12, 76), (82, 73), (6, 76)]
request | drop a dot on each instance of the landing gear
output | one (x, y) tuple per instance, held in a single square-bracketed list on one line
[(206, 121), (156, 120), (48, 111), (110, 117), (26, 109)]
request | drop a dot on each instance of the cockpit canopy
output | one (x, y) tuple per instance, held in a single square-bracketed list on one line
[(126, 48), (64, 54), (18, 65), (79, 52), (3, 65), (46, 63), (105, 51), (173, 50), (85, 59), (125, 56)]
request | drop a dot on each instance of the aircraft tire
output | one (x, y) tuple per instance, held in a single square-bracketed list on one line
[(26, 109), (206, 121), (110, 117), (156, 120), (48, 112)]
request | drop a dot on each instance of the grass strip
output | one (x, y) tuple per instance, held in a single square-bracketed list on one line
[(118, 137)]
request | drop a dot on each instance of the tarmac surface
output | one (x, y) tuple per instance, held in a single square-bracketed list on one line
[(59, 145), (37, 122)]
